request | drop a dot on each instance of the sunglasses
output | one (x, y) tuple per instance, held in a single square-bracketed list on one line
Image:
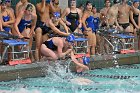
[(8, 1)]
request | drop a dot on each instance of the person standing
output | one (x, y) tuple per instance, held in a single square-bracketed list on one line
[(73, 17), (89, 27)]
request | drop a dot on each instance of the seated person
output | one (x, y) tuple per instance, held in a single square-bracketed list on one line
[(7, 18), (25, 24), (21, 5), (52, 49)]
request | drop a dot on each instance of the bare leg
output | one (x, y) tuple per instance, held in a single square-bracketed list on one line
[(92, 42), (48, 53), (38, 37)]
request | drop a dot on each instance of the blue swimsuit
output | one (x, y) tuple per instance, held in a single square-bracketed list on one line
[(90, 23), (5, 19), (50, 45), (23, 24), (96, 22)]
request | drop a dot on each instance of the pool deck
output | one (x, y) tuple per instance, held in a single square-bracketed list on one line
[(37, 69)]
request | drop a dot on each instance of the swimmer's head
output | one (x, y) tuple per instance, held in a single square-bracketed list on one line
[(107, 3), (47, 1), (29, 8), (56, 2), (70, 38), (72, 3), (136, 1), (89, 5), (56, 14), (3, 4), (86, 60)]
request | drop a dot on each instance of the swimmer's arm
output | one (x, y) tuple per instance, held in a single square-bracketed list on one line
[(80, 16), (41, 8), (17, 21), (77, 62), (18, 8), (64, 25), (60, 53), (84, 17), (64, 14), (52, 7), (34, 9), (33, 24), (139, 19), (102, 14), (12, 18), (1, 28), (133, 9), (56, 30)]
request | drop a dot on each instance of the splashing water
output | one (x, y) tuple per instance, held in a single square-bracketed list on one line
[(58, 80)]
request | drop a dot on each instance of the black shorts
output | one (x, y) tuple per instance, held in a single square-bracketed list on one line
[(124, 25), (42, 25)]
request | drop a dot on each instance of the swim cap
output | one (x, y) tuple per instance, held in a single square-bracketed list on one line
[(70, 38), (86, 60), (7, 0), (56, 14), (134, 1), (47, 1)]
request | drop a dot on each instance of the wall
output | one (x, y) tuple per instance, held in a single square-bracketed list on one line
[(64, 3)]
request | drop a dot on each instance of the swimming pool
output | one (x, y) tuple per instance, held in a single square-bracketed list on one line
[(123, 79)]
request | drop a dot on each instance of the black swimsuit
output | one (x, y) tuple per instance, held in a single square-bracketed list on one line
[(135, 16), (73, 19), (44, 27), (50, 45), (124, 25)]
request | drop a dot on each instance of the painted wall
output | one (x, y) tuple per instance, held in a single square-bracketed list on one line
[(64, 3)]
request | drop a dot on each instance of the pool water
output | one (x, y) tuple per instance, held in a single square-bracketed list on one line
[(122, 79)]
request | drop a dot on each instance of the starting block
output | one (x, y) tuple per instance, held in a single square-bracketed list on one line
[(123, 51), (23, 61), (19, 51), (82, 55), (81, 45)]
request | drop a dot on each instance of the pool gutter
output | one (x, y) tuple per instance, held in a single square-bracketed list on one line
[(39, 69)]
